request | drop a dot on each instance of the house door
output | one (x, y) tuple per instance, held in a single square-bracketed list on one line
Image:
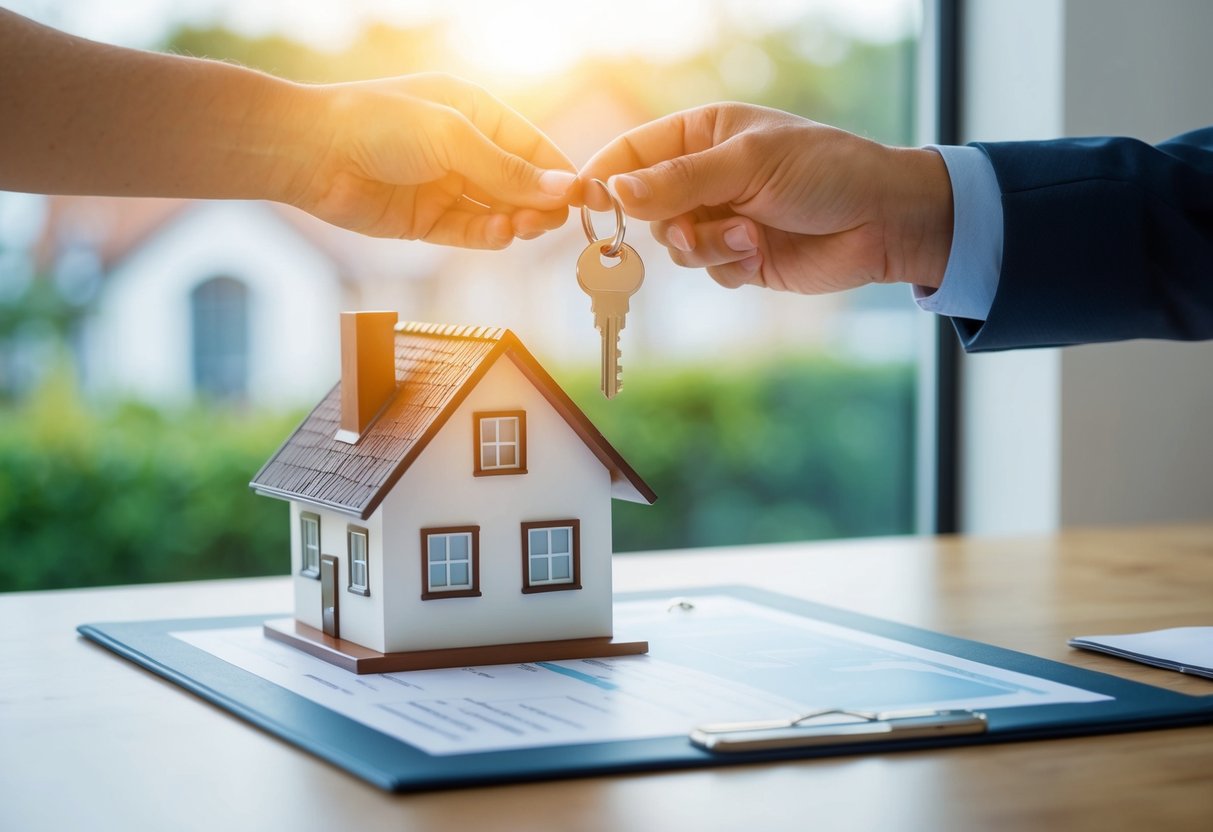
[(328, 596)]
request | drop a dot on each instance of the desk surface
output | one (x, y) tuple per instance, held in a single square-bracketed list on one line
[(88, 741)]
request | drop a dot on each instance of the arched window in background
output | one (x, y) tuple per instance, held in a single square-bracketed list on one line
[(219, 315)]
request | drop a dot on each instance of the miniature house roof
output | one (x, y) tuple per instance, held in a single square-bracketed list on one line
[(436, 367)]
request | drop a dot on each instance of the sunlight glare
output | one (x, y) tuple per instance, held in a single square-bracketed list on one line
[(548, 36)]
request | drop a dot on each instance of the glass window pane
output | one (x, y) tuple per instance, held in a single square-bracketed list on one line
[(358, 571), (560, 540), (506, 456), (437, 547), (488, 430), (488, 456), (459, 546), (507, 429), (539, 569), (539, 541), (437, 575), (561, 567), (459, 574)]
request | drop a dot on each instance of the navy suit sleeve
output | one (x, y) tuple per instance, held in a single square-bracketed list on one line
[(1105, 239)]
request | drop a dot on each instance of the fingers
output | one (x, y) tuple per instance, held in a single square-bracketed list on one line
[(495, 171), (502, 155), (729, 248), (529, 223), (745, 272), (711, 243), (502, 124), (674, 135), (717, 176), (471, 230)]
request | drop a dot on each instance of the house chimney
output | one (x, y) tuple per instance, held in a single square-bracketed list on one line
[(368, 369)]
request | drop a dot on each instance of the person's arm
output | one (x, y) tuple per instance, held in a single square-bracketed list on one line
[(421, 157), (1105, 239)]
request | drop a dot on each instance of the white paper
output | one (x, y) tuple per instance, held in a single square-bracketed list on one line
[(1185, 649), (725, 660)]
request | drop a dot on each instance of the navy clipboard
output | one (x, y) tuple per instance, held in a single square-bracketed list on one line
[(396, 766)]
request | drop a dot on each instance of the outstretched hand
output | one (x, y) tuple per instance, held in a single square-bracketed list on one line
[(759, 196), (435, 158)]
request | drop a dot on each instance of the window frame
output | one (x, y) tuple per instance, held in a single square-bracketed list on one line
[(574, 526), (352, 531), (478, 419), (304, 571), (428, 594)]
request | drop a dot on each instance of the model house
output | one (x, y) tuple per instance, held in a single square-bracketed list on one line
[(449, 505)]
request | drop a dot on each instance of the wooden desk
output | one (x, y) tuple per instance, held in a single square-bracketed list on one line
[(88, 741)]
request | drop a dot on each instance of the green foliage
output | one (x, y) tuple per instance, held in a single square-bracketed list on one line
[(795, 449), (864, 87), (133, 495), (791, 450)]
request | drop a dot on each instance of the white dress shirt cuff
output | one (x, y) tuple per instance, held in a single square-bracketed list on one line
[(975, 259)]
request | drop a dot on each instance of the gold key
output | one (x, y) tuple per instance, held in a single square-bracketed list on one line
[(609, 272)]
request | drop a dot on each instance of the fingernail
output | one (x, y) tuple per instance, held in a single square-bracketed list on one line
[(750, 264), (738, 238), (630, 186), (556, 182), (678, 239)]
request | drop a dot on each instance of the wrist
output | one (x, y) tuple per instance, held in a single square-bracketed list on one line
[(917, 210), (296, 128)]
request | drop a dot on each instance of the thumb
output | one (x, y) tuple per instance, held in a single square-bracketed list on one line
[(507, 177), (679, 185)]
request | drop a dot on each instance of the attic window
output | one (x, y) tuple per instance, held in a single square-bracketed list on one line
[(450, 562), (500, 442)]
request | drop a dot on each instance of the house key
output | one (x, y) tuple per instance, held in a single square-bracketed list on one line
[(609, 287)]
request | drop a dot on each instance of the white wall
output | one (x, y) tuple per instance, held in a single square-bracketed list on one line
[(563, 480), (1105, 433), (359, 617)]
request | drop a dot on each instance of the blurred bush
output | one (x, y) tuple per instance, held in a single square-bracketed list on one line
[(134, 495), (796, 449)]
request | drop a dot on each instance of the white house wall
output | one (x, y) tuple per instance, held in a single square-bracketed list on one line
[(564, 480), (360, 617), (139, 341)]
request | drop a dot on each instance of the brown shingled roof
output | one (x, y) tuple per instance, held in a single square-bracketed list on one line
[(436, 367)]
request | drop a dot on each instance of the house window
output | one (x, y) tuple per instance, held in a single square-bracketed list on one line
[(219, 310), (500, 442), (551, 555), (309, 544), (450, 562), (357, 542)]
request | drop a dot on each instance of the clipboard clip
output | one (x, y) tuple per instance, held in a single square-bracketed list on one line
[(855, 727)]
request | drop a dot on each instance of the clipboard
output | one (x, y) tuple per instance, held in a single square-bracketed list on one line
[(396, 766)]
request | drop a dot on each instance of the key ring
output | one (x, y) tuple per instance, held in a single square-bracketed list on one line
[(621, 223)]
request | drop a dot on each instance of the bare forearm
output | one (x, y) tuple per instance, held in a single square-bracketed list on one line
[(87, 118)]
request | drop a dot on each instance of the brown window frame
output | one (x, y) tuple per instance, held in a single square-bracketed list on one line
[(350, 531), (433, 595), (529, 588), (477, 418), (304, 571)]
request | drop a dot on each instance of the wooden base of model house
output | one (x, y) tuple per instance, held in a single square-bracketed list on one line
[(358, 659)]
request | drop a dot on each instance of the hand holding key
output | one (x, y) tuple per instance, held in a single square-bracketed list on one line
[(758, 196), (609, 287)]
